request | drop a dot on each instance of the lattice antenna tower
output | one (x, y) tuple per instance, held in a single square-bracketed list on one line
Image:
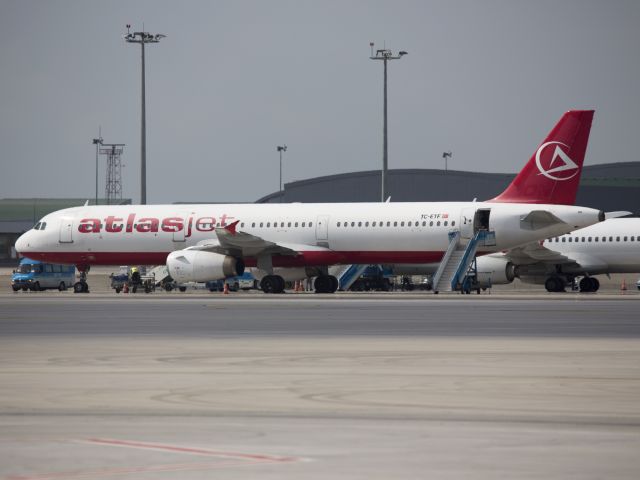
[(113, 152)]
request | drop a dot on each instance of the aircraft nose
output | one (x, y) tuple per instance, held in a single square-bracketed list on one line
[(22, 244)]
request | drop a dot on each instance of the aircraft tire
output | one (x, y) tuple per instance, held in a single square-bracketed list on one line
[(334, 284), (586, 285), (272, 284), (554, 284), (78, 287), (325, 284)]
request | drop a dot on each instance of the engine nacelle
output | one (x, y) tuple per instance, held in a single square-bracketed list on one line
[(493, 270), (202, 266)]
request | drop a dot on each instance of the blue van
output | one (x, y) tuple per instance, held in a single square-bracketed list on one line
[(36, 275), (246, 281)]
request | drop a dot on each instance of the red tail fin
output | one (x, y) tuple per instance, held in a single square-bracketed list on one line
[(553, 172)]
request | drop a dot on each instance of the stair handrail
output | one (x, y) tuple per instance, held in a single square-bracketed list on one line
[(465, 261), (346, 278), (454, 239)]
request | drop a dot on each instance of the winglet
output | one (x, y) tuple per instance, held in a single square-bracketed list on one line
[(553, 173), (232, 227)]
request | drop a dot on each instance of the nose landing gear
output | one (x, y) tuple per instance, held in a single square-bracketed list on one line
[(81, 286)]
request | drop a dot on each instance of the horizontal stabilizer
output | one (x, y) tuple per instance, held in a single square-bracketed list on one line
[(621, 213)]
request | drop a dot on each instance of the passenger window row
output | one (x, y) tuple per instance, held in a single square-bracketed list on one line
[(625, 238), (278, 224), (438, 223)]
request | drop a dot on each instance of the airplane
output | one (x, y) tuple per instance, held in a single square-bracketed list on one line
[(293, 241), (612, 246)]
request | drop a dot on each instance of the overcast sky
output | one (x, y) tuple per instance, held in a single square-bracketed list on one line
[(234, 79)]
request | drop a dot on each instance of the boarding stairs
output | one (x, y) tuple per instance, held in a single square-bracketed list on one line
[(455, 269), (349, 274)]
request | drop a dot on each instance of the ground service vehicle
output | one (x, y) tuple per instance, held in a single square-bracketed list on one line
[(246, 281), (36, 275)]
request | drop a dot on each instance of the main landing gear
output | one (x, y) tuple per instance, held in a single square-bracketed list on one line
[(589, 284), (272, 284), (326, 284), (275, 284), (559, 283), (554, 284), (82, 286)]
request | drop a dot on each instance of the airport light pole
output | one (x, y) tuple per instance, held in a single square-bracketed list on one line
[(446, 155), (385, 55), (142, 38), (97, 142), (281, 149)]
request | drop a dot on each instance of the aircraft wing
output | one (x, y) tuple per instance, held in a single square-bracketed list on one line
[(229, 241), (536, 253)]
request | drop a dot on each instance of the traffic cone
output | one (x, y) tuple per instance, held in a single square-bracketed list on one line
[(225, 290), (623, 285), (125, 289)]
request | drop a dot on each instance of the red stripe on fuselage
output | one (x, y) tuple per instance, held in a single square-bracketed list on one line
[(310, 258)]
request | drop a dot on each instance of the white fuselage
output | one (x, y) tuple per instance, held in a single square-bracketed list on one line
[(612, 246), (322, 234)]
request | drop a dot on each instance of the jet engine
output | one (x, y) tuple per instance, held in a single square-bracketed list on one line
[(493, 270), (202, 266)]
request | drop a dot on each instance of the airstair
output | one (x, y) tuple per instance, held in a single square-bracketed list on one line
[(349, 274), (455, 269)]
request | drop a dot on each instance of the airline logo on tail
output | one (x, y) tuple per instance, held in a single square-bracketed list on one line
[(567, 165), (552, 174)]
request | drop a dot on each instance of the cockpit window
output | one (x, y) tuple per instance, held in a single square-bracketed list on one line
[(40, 226), (43, 226)]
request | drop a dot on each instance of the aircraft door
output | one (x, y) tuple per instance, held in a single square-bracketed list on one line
[(179, 234), (66, 230), (481, 219), (466, 222), (472, 220), (322, 228)]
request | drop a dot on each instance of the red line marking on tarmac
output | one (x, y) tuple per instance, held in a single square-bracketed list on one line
[(188, 450), (228, 459)]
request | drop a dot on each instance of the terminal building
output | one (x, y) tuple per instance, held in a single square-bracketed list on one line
[(609, 187)]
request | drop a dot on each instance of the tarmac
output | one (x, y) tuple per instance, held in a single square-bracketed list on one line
[(350, 386)]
